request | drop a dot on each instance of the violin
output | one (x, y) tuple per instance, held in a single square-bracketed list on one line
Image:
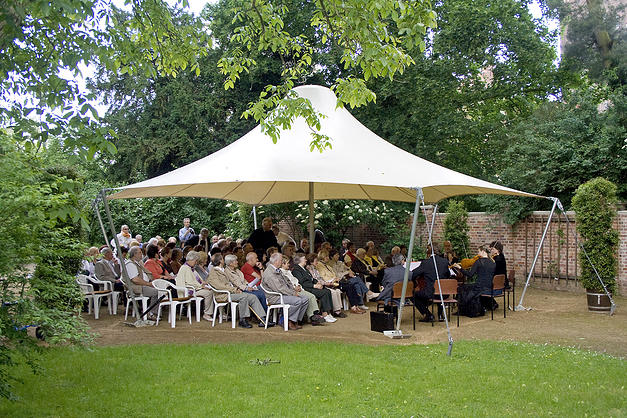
[(467, 263)]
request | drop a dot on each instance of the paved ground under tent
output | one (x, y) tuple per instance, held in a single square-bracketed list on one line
[(556, 318)]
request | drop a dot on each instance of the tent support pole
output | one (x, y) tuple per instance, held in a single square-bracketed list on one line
[(437, 276), (408, 260), (311, 218), (435, 210), (520, 306), (102, 227), (609, 295), (255, 216), (125, 277)]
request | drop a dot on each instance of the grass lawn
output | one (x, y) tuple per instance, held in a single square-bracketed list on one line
[(315, 379)]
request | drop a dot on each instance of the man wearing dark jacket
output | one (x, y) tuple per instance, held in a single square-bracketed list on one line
[(427, 270), (263, 238), (308, 283)]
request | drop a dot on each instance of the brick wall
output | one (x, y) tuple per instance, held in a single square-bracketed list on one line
[(556, 267)]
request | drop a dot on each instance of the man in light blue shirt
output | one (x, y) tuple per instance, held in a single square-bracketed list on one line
[(186, 232)]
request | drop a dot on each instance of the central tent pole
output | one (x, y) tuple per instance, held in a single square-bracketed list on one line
[(311, 217), (408, 260), (255, 216)]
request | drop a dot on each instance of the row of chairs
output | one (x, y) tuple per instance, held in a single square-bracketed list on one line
[(174, 303), (449, 289)]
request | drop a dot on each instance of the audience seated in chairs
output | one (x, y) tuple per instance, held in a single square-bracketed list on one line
[(141, 278), (107, 269), (154, 265), (354, 286), (313, 312), (307, 282), (275, 281), (175, 260), (329, 280), (189, 277), (247, 301), (236, 277)]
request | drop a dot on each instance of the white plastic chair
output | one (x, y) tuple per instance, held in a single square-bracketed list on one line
[(164, 287), (220, 305), (93, 296), (108, 286), (284, 306)]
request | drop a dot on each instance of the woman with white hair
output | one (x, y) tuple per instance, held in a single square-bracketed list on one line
[(187, 277), (236, 277)]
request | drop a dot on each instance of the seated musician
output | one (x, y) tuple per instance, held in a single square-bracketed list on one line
[(427, 269)]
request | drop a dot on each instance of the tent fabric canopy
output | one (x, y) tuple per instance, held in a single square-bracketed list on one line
[(360, 165)]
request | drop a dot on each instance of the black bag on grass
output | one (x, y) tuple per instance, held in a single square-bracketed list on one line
[(470, 301)]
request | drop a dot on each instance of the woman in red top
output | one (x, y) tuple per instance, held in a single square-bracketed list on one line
[(153, 264)]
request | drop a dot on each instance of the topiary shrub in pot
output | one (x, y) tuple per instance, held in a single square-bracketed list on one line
[(595, 208)]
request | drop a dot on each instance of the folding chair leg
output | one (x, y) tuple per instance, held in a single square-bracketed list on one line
[(172, 316), (233, 314), (96, 307), (285, 317)]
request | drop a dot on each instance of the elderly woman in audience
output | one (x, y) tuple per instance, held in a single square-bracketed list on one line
[(236, 277), (175, 260), (325, 275), (361, 268), (201, 265), (375, 264), (353, 285), (247, 301), (189, 278)]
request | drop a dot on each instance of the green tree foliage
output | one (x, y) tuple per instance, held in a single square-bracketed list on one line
[(371, 37), (39, 39), (40, 216), (595, 208), (596, 38), (456, 227), (486, 66), (562, 145)]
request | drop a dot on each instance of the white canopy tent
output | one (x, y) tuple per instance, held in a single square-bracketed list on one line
[(360, 165)]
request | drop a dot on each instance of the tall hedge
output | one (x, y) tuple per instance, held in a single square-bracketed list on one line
[(595, 207)]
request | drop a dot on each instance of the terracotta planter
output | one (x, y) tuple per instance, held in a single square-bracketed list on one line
[(598, 302)]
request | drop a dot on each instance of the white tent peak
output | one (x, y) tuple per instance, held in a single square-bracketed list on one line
[(360, 165)]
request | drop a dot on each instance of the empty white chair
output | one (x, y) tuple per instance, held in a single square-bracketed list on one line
[(107, 286), (93, 296)]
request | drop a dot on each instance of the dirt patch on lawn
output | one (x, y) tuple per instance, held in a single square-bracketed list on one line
[(556, 318)]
